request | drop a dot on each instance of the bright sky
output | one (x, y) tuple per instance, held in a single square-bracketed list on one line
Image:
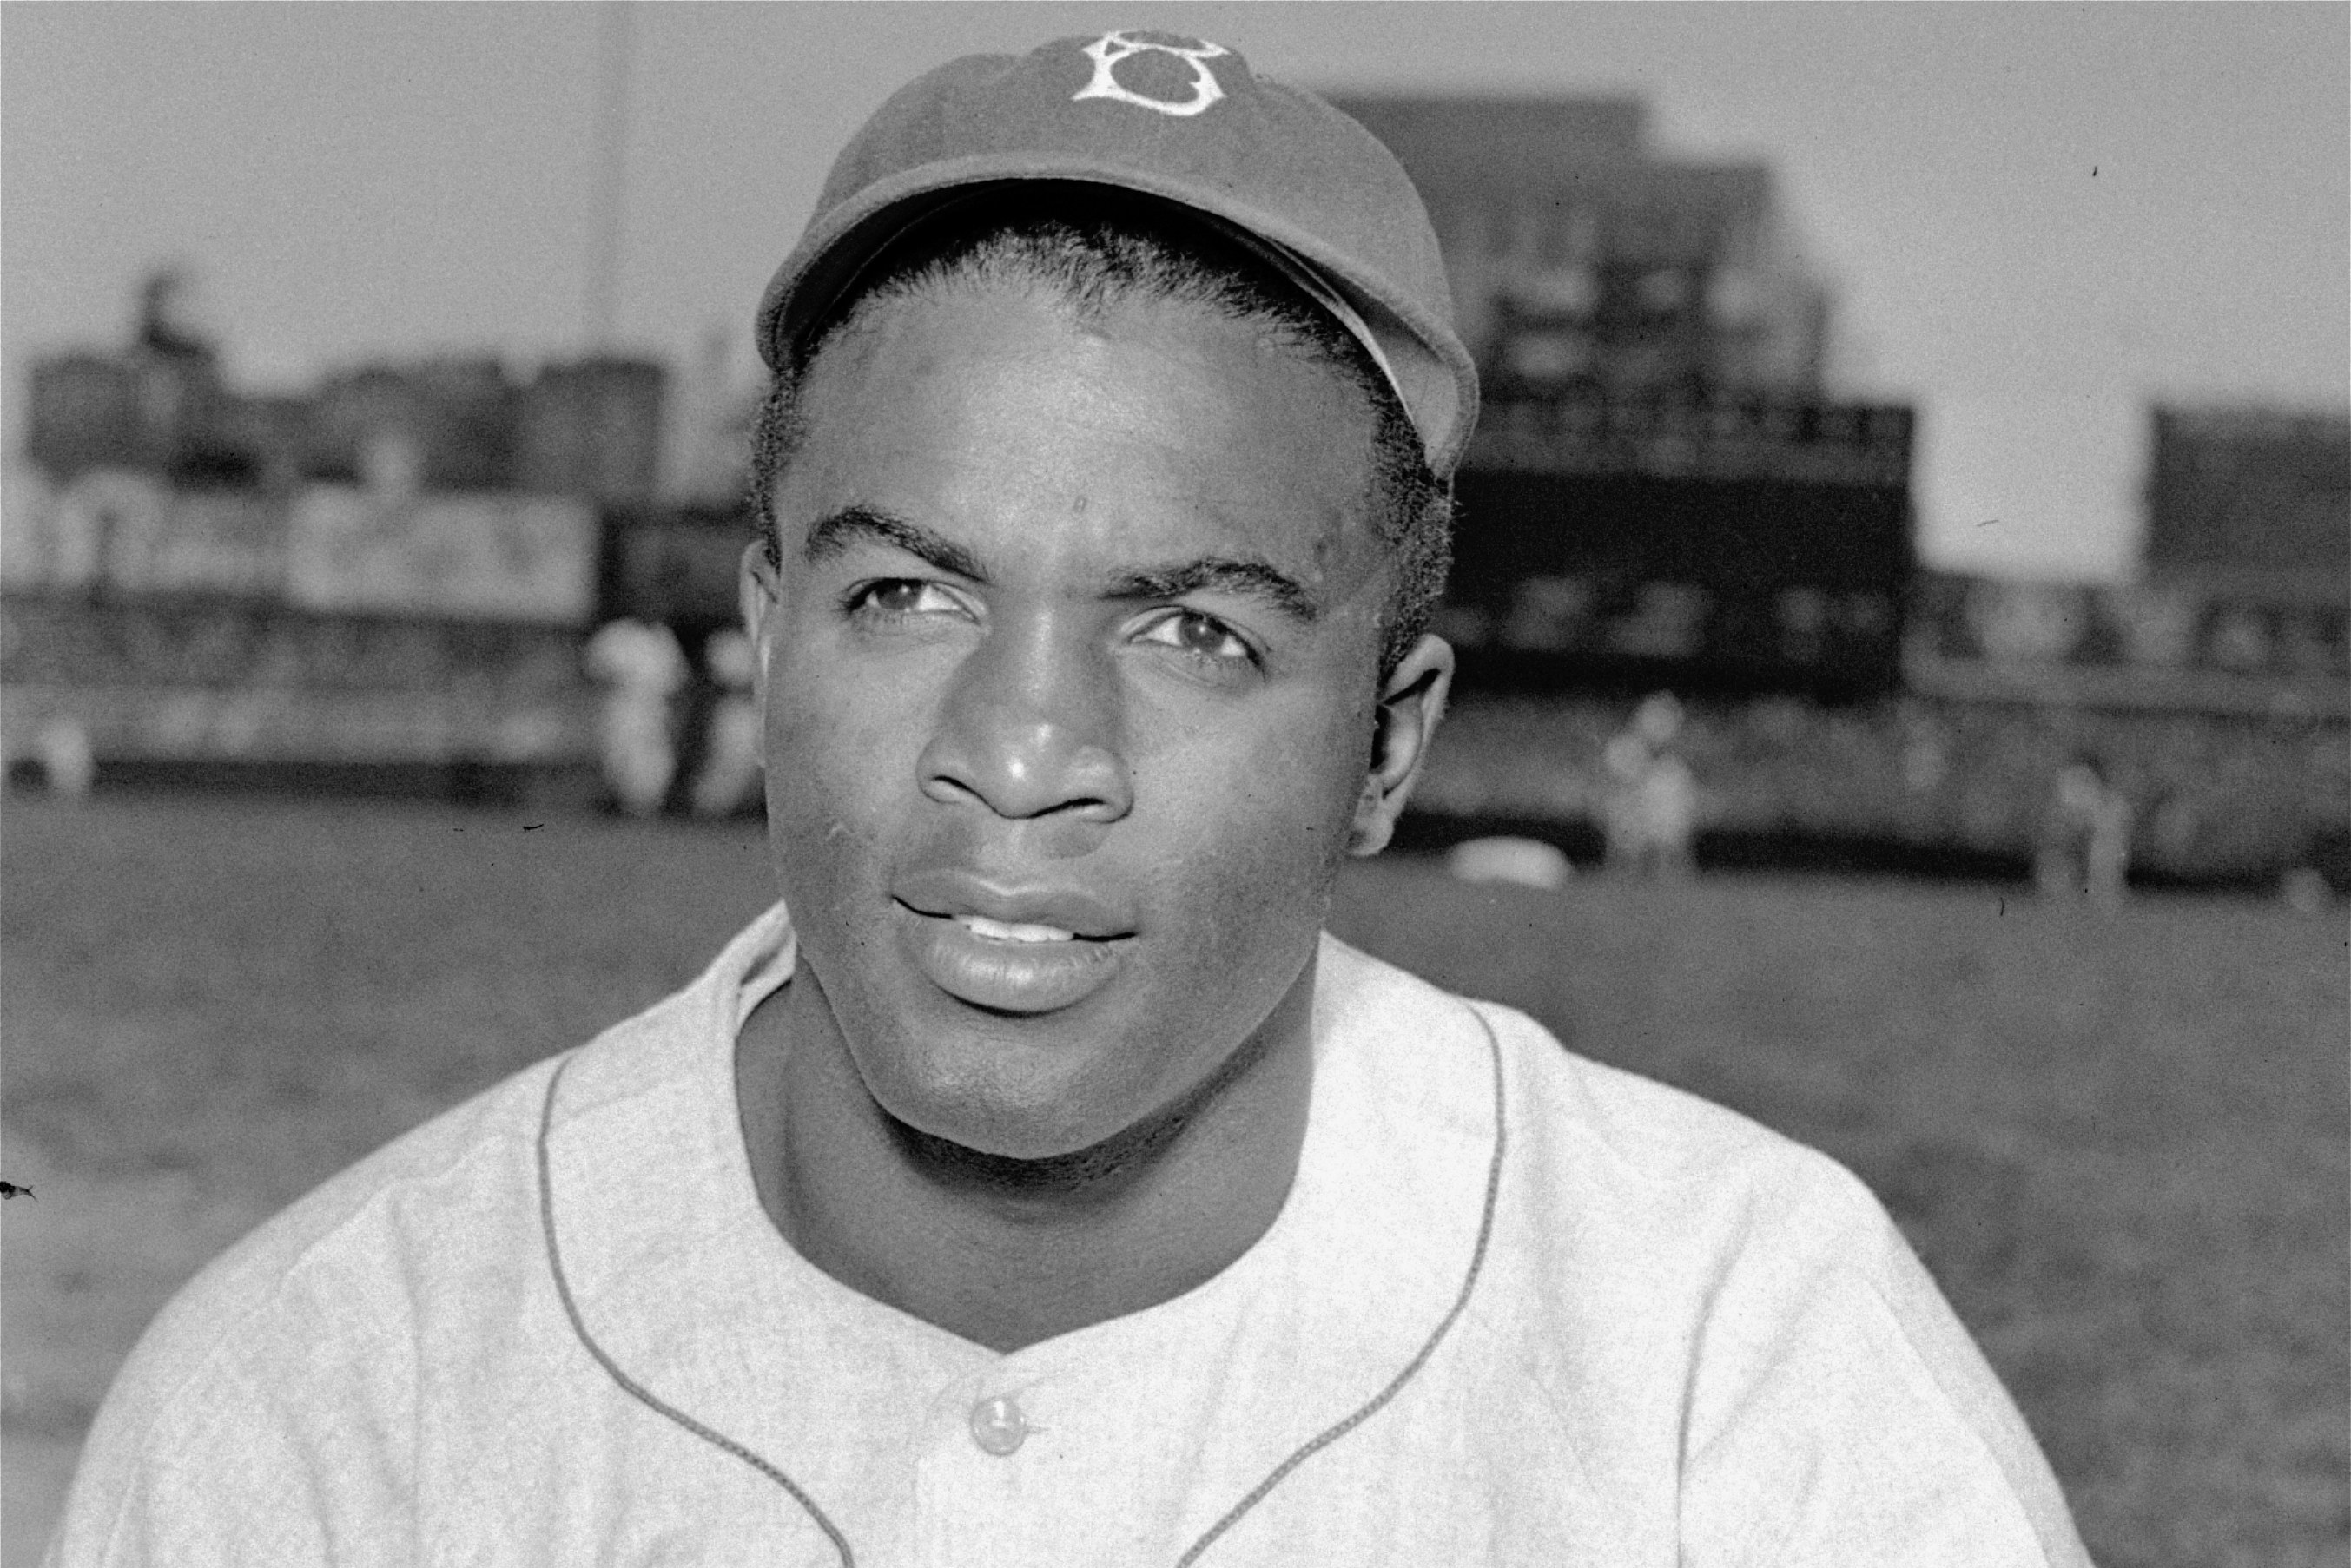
[(2039, 217)]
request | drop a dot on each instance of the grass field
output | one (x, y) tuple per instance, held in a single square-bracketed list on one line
[(2122, 1142)]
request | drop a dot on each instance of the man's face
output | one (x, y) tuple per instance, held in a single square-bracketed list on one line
[(1070, 677)]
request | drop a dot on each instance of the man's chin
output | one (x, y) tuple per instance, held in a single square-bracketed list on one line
[(1020, 1156), (1033, 1145)]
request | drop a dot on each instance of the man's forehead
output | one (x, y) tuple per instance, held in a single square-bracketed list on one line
[(1146, 398), (937, 310), (1001, 471)]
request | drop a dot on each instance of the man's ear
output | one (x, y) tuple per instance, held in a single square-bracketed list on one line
[(1412, 701), (759, 590)]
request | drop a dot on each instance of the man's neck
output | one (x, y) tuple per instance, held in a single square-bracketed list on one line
[(1010, 1253)]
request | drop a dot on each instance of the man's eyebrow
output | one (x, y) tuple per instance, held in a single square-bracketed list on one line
[(1255, 579), (828, 536)]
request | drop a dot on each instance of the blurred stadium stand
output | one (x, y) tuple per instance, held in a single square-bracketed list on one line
[(386, 583), (1664, 493), (383, 582), (1738, 543), (1660, 492), (1914, 784), (1580, 262)]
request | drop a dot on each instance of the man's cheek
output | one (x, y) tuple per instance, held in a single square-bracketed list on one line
[(1301, 787), (1260, 868), (861, 733), (837, 774)]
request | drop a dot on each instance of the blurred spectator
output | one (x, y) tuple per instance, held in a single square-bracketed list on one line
[(2084, 837), (62, 748), (1925, 760), (731, 762), (1651, 817), (640, 667)]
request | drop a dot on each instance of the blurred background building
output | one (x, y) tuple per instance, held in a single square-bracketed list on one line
[(1581, 261), (381, 582), (387, 580), (1663, 492), (2250, 502)]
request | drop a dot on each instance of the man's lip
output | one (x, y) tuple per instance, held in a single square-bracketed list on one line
[(947, 892)]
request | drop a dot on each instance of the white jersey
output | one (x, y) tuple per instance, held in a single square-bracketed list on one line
[(1518, 1307)]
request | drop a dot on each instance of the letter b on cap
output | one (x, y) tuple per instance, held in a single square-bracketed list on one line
[(1111, 47)]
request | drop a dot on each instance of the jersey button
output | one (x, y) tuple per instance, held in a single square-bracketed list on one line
[(996, 1425)]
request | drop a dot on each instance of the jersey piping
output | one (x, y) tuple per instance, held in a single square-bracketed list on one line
[(832, 1533), (1370, 1407), (628, 1385)]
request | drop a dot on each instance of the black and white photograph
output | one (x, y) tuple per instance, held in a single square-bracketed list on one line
[(1303, 782)]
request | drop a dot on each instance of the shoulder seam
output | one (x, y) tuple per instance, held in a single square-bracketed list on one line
[(1984, 1445)]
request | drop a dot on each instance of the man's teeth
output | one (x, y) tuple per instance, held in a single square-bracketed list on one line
[(1014, 930)]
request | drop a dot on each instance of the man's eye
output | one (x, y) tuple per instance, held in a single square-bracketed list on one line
[(1202, 636), (903, 597)]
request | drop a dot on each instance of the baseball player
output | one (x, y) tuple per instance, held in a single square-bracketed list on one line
[(1650, 816), (2084, 848), (641, 667), (1036, 1182)]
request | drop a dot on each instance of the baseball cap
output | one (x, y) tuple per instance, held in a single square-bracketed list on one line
[(1180, 118)]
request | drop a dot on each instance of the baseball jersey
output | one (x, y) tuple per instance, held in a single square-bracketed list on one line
[(1517, 1307)]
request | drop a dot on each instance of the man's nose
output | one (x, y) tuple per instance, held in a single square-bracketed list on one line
[(1032, 728)]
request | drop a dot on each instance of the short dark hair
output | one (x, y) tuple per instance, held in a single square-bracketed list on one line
[(1094, 248)]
